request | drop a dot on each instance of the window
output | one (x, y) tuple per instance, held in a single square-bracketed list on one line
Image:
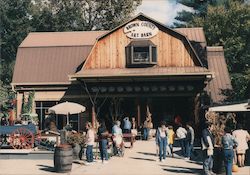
[(141, 53)]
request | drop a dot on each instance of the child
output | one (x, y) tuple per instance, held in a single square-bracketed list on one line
[(171, 138)]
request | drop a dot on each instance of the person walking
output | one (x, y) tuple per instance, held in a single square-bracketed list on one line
[(90, 140), (127, 125), (242, 137), (207, 143), (171, 135), (189, 141), (117, 136), (103, 141), (228, 144), (147, 125), (161, 140), (181, 135), (134, 124)]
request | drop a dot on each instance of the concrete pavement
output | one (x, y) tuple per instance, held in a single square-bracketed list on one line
[(140, 160)]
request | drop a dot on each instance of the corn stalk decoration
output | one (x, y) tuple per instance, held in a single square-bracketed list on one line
[(219, 122), (115, 109)]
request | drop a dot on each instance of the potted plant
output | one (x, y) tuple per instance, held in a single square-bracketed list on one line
[(219, 122), (77, 140)]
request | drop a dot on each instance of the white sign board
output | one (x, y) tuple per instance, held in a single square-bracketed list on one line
[(140, 30)]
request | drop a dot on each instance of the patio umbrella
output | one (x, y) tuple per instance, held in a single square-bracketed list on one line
[(67, 108)]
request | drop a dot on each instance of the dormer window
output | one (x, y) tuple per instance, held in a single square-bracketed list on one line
[(141, 53)]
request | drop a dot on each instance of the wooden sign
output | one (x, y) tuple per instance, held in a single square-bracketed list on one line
[(140, 30)]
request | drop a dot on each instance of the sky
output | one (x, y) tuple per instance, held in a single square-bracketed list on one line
[(163, 11)]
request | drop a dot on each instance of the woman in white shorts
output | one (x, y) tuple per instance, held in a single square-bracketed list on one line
[(242, 137)]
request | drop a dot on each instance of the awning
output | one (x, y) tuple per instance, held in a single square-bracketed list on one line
[(142, 72), (242, 107)]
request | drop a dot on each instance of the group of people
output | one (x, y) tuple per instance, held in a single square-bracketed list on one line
[(232, 143), (165, 137), (103, 135)]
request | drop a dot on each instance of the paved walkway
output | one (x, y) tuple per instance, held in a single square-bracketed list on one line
[(140, 160)]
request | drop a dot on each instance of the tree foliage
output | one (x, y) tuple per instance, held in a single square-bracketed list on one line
[(64, 15), (15, 24), (19, 17), (228, 24)]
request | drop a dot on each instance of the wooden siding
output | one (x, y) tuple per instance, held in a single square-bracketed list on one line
[(109, 52)]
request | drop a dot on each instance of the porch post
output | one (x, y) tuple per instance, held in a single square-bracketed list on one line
[(19, 104), (93, 116), (138, 107)]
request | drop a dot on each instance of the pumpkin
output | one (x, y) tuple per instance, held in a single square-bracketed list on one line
[(235, 168)]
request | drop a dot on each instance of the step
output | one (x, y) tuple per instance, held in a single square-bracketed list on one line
[(26, 154)]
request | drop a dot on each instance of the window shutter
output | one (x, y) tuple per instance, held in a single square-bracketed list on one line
[(154, 54), (128, 54)]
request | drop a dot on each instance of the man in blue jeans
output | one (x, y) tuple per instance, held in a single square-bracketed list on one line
[(207, 143), (228, 143), (189, 141), (103, 142)]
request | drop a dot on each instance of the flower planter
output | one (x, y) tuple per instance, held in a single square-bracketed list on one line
[(76, 151), (218, 166)]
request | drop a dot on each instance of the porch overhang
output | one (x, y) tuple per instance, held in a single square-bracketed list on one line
[(143, 74)]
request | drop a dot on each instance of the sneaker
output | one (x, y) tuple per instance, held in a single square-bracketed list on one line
[(163, 160), (87, 163), (186, 158), (212, 173), (105, 162)]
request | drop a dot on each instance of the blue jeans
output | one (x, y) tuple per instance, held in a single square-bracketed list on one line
[(89, 153), (228, 159), (103, 149), (171, 149), (189, 149), (183, 146), (145, 133), (207, 162), (162, 148)]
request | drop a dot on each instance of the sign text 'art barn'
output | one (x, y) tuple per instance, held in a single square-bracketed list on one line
[(140, 30)]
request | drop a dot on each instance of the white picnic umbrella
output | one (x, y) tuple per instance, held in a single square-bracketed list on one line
[(67, 108)]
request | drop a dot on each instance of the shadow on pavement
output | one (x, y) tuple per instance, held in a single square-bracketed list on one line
[(138, 158), (148, 154), (46, 168), (184, 170)]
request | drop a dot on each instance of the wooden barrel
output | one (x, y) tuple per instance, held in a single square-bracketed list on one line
[(63, 158)]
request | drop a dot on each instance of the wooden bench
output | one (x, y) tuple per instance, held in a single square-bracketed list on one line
[(130, 137)]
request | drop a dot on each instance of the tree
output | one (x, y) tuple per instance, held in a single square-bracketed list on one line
[(197, 8), (19, 17), (15, 24), (227, 24), (65, 15)]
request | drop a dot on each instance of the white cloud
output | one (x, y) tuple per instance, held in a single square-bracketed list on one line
[(163, 11)]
